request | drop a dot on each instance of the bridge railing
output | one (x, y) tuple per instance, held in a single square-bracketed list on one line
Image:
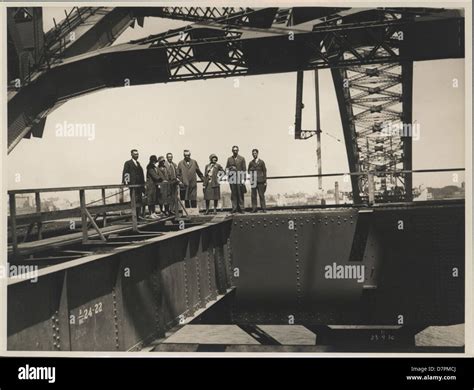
[(371, 194), (100, 207), (85, 210)]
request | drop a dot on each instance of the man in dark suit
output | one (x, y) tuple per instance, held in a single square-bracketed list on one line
[(172, 170), (132, 174), (236, 173), (258, 179)]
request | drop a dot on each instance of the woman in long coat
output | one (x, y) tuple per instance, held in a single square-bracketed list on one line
[(152, 180), (163, 186), (211, 185)]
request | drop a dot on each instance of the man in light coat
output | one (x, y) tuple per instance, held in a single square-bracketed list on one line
[(188, 169)]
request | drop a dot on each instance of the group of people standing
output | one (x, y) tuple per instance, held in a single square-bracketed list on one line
[(165, 179)]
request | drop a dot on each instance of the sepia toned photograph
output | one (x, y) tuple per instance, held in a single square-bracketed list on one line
[(236, 179)]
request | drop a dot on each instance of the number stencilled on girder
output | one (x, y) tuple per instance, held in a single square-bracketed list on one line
[(87, 312)]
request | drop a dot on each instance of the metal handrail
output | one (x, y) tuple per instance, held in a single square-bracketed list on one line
[(77, 188), (81, 210), (364, 173)]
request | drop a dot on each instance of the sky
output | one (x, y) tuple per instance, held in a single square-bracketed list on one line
[(209, 116)]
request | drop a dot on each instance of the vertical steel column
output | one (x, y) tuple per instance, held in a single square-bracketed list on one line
[(13, 223), (318, 130), (104, 221), (82, 200), (299, 103), (133, 204), (407, 122), (38, 210)]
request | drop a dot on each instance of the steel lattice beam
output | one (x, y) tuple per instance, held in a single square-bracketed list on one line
[(375, 103)]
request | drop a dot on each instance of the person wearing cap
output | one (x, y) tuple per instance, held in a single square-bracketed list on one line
[(163, 186), (152, 180), (187, 171), (211, 185)]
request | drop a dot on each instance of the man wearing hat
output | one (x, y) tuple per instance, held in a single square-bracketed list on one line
[(152, 180), (211, 185), (163, 186)]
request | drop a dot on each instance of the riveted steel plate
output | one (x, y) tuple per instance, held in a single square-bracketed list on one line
[(34, 314), (92, 307)]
